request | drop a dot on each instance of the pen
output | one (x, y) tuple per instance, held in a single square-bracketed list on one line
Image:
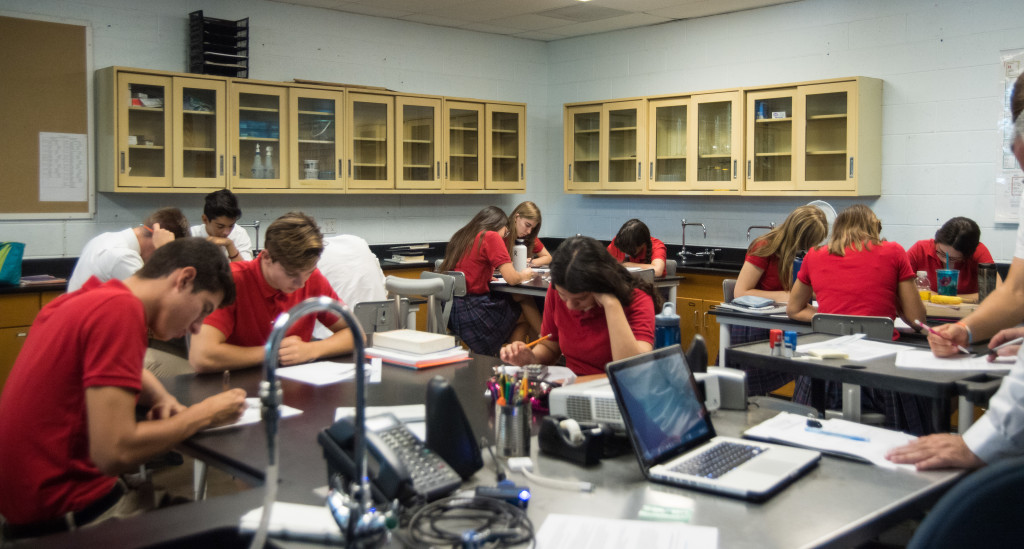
[(821, 431), (225, 383), (961, 348), (538, 340), (993, 350)]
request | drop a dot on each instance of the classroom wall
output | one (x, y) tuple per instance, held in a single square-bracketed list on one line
[(939, 61)]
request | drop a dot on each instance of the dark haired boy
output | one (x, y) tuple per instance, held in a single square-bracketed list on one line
[(220, 218)]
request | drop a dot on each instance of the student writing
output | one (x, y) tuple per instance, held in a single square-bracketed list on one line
[(634, 246)]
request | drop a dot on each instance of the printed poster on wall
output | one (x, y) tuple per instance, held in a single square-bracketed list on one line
[(1009, 179)]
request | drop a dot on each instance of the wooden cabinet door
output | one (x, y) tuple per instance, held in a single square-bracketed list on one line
[(11, 341), (316, 126), (583, 145), (371, 156), (418, 143), (200, 125), (666, 144), (710, 329), (715, 130), (258, 123), (506, 147), (143, 130), (464, 145), (772, 162), (623, 155), (689, 319), (827, 137)]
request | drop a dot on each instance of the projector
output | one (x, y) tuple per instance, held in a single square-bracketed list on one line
[(594, 401)]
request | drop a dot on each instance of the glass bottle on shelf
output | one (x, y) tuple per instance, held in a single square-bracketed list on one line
[(268, 166), (257, 164)]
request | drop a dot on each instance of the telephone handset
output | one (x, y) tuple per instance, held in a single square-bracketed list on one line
[(398, 464)]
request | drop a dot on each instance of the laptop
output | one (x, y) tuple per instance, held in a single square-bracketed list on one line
[(675, 442)]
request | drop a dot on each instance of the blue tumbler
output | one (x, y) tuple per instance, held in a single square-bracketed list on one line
[(666, 327)]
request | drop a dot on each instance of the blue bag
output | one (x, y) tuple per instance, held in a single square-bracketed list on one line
[(10, 262)]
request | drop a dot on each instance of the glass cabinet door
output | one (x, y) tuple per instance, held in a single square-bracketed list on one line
[(827, 138), (625, 122), (715, 129), (144, 131), (259, 121), (506, 147), (770, 140), (419, 143), (666, 144), (463, 165), (371, 155), (583, 148), (199, 141), (316, 123)]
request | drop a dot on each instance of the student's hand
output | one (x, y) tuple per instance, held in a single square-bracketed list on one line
[(164, 408), (940, 451), (517, 354), (950, 335), (527, 274), (225, 408), (605, 300), (295, 351), (221, 241), (161, 236)]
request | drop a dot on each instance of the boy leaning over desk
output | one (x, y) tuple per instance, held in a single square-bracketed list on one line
[(998, 434), (67, 415)]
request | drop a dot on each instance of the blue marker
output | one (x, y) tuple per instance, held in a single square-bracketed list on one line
[(821, 431)]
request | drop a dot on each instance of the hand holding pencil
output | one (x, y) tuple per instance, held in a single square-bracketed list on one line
[(946, 340), (518, 353)]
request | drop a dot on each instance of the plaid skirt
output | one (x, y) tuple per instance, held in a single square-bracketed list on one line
[(902, 411), (760, 381), (484, 321)]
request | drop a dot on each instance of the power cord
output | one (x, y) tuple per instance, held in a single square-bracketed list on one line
[(524, 465), (470, 522)]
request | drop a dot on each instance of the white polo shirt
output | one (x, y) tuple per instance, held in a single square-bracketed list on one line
[(106, 256)]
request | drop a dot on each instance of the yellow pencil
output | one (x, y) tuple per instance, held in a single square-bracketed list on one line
[(538, 340)]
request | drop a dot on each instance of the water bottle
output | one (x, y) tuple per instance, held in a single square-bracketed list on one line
[(268, 166), (666, 327), (257, 164), (986, 280), (519, 255), (924, 287)]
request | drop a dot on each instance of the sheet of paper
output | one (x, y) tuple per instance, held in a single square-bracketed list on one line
[(560, 531), (325, 372), (925, 360), (836, 436), (252, 414), (63, 167), (295, 521), (856, 347)]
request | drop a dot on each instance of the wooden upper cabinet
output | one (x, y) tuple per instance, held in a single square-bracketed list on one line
[(583, 145), (316, 126), (715, 132), (506, 147), (623, 156), (418, 137), (667, 144), (258, 134), (370, 130), (200, 145), (143, 131), (464, 145)]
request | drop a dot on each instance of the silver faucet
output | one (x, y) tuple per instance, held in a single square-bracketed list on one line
[(682, 252), (769, 227), (355, 513)]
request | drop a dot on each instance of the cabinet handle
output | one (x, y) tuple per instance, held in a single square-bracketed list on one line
[(438, 169), (748, 169), (341, 168), (851, 167), (122, 161), (222, 164), (350, 168), (522, 171), (650, 172), (446, 169), (638, 168), (734, 168), (695, 323), (570, 171), (22, 334), (234, 165)]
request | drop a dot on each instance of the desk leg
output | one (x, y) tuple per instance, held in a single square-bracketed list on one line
[(724, 341), (940, 414), (965, 414), (199, 480), (818, 395)]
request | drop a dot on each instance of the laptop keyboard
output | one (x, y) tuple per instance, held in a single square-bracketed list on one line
[(718, 460)]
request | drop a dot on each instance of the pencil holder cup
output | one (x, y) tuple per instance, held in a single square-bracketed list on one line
[(512, 429)]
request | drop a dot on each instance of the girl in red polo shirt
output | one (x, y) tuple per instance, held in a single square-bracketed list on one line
[(524, 224), (634, 246), (595, 312), (484, 321), (859, 273), (768, 272)]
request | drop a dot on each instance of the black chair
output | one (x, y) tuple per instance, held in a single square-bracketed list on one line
[(983, 510), (697, 355)]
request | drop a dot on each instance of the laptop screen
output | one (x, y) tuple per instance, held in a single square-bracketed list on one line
[(660, 403)]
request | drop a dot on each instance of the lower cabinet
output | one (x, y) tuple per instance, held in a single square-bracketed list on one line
[(17, 311), (697, 294)]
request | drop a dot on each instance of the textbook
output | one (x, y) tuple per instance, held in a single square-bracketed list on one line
[(413, 341), (418, 360)]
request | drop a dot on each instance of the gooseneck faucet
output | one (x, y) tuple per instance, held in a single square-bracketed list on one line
[(770, 227), (354, 513), (682, 252)]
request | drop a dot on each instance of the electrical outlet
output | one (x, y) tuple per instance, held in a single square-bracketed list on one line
[(329, 227)]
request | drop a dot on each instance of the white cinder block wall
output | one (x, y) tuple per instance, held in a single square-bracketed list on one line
[(939, 60)]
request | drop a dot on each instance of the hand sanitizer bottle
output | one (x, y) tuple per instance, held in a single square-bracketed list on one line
[(257, 164), (268, 166)]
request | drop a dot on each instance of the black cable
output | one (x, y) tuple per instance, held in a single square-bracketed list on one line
[(445, 522), (498, 469)]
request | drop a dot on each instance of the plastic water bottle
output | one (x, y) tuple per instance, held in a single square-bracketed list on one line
[(666, 327), (519, 255), (924, 287), (268, 166), (257, 164)]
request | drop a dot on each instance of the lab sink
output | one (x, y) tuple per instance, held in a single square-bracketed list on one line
[(224, 537)]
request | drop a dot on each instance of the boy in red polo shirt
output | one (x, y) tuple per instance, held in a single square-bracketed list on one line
[(283, 275)]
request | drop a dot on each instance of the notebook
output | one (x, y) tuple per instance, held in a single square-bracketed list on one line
[(675, 442)]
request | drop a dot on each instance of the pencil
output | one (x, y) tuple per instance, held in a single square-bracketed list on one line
[(538, 340), (994, 350), (932, 331)]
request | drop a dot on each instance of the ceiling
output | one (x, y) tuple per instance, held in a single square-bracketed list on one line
[(544, 20)]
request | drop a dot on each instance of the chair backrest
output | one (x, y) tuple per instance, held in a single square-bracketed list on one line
[(875, 327), (671, 267), (983, 510), (647, 275), (440, 314), (728, 289), (697, 355), (427, 287), (379, 316), (437, 264)]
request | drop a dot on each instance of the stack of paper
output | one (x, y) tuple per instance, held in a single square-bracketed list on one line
[(418, 360), (413, 341)]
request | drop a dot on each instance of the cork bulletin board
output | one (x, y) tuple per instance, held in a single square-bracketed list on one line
[(46, 160)]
